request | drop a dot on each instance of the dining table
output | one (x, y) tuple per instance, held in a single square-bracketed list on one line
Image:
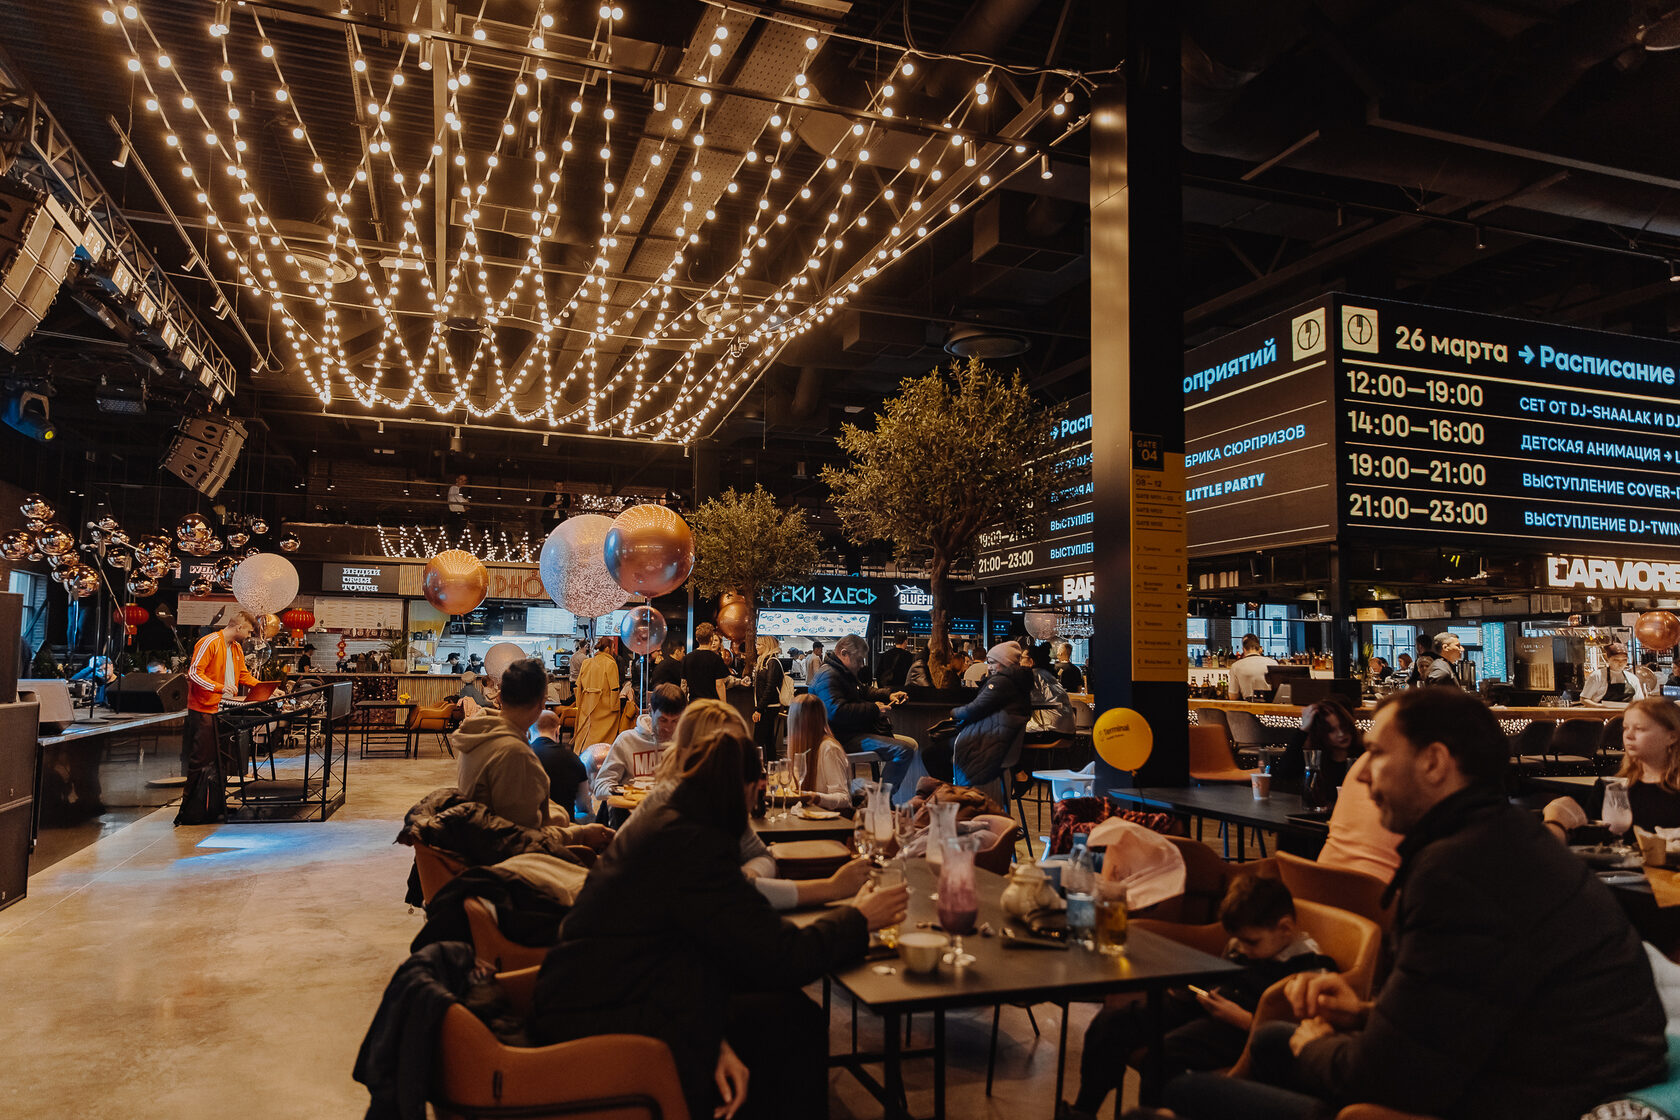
[(1039, 973), (774, 827)]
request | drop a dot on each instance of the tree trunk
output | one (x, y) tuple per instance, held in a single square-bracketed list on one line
[(749, 644), (939, 640)]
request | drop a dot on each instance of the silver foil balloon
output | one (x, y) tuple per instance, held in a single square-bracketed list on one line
[(34, 524), (36, 508), (16, 545), (214, 544), (290, 543), (55, 540), (154, 568), (237, 539), (200, 585), (141, 586), (119, 560), (107, 523), (154, 545), (193, 527), (259, 526), (224, 569)]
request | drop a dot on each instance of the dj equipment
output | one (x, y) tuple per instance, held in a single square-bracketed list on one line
[(147, 692)]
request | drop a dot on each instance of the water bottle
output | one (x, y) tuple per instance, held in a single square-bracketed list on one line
[(1079, 880)]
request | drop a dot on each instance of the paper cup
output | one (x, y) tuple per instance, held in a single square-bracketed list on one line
[(1262, 786)]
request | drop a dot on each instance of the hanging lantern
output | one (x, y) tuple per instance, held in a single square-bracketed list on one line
[(134, 616), (259, 526), (121, 561), (297, 620), (80, 581), (290, 543), (200, 585), (116, 537), (36, 508), (153, 568), (141, 586), (237, 539), (107, 523)]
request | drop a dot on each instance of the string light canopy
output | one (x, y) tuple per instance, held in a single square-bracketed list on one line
[(650, 270)]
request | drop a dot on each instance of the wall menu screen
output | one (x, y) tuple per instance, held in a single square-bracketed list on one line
[(1061, 537), (1260, 436), (1370, 419), (1469, 427)]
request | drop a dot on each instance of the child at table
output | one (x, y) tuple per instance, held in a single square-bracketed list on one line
[(1204, 1030)]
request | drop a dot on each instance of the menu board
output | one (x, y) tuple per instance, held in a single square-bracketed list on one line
[(379, 579), (1061, 537), (1259, 436), (1474, 427)]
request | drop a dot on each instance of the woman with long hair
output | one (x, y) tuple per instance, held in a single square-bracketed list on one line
[(768, 675), (828, 776), (1650, 767), (668, 937)]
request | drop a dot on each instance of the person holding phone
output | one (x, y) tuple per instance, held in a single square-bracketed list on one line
[(1206, 1028)]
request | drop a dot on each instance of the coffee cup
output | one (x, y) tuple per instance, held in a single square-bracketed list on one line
[(921, 949), (1262, 786)]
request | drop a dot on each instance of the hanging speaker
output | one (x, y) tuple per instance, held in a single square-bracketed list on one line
[(34, 259), (204, 452)]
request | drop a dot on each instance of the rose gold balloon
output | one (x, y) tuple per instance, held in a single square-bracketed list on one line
[(1658, 630), (649, 550), (55, 540), (733, 619), (455, 582), (729, 597), (269, 626)]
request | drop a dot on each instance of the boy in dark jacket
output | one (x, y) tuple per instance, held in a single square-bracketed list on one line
[(1206, 1030)]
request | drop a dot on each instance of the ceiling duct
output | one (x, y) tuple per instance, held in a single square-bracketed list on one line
[(307, 242), (976, 340)]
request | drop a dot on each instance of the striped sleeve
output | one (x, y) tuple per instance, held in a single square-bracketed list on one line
[(198, 670)]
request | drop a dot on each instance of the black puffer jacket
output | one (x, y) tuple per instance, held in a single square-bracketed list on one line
[(990, 725), (849, 702), (1519, 990), (444, 820)]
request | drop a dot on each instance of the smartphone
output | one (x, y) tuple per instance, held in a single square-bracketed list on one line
[(1199, 991)]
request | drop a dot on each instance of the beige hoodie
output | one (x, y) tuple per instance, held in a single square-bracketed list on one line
[(499, 770)]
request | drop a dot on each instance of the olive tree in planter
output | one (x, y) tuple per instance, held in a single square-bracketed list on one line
[(956, 452), (746, 542)]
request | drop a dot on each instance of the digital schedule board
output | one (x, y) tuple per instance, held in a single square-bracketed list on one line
[(1260, 436), (1464, 428), (1061, 537)]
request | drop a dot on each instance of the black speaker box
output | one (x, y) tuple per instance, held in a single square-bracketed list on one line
[(147, 692)]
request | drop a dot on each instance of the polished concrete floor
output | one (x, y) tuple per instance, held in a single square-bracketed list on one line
[(232, 970)]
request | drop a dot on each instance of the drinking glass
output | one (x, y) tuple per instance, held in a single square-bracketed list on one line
[(862, 840), (778, 788), (904, 827), (959, 901), (1618, 812), (1112, 918), (801, 767), (886, 878)]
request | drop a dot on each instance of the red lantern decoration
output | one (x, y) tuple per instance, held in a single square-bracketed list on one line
[(134, 616), (297, 620)]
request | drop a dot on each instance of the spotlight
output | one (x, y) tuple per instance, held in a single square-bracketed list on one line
[(27, 413), (455, 440), (122, 156), (1044, 171)]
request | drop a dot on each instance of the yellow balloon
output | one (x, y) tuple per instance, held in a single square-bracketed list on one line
[(1123, 738)]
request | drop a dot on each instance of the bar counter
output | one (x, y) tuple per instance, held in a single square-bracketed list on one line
[(1511, 720), (421, 688)]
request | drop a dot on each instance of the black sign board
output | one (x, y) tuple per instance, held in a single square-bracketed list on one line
[(365, 579), (1259, 436), (1471, 428), (1062, 536)]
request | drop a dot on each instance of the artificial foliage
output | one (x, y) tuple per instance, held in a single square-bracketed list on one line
[(956, 452)]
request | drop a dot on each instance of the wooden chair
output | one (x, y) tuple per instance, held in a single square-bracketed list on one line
[(436, 868), (1350, 940), (1353, 891), (492, 945), (1210, 757), (608, 1077)]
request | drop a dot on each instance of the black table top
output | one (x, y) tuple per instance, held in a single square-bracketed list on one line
[(1222, 801), (1003, 975)]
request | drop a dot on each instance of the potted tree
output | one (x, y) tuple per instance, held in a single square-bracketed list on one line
[(744, 543), (955, 452)]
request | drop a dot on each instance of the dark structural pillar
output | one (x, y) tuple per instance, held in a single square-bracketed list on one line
[(1137, 361)]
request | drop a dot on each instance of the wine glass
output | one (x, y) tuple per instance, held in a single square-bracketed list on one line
[(881, 831), (801, 767), (778, 789), (1618, 811), (959, 902), (904, 827)]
